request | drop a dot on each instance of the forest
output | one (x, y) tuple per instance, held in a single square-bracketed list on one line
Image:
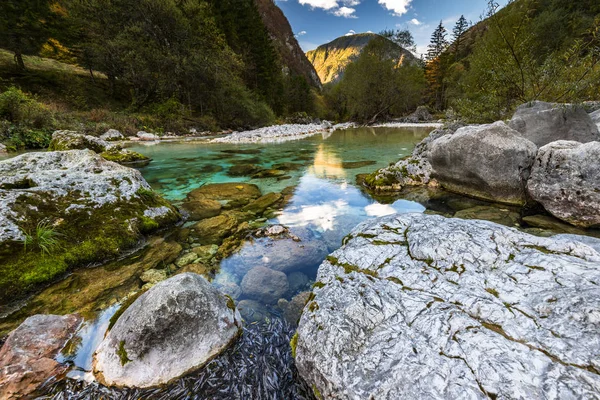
[(172, 65)]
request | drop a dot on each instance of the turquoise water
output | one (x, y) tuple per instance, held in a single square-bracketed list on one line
[(326, 205)]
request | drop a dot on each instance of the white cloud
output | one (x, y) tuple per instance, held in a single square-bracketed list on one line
[(350, 32), (345, 12), (399, 7), (339, 8), (415, 21), (301, 33), (324, 4)]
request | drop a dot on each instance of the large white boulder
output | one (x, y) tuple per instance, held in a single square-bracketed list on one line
[(565, 179), (169, 331), (424, 307), (491, 162), (543, 123)]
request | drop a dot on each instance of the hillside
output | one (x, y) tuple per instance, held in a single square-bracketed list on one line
[(285, 42), (330, 60)]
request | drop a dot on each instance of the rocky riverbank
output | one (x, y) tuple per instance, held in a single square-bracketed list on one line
[(546, 155), (416, 306), (280, 133)]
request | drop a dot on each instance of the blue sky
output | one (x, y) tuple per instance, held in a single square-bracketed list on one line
[(316, 22)]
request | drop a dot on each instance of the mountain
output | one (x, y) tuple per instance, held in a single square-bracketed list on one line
[(285, 42), (330, 60)]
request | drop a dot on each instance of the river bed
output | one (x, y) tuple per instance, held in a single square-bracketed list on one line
[(326, 203)]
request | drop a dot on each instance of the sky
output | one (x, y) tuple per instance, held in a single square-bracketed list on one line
[(316, 22)]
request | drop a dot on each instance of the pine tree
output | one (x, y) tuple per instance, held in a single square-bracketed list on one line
[(459, 30), (436, 66), (439, 43)]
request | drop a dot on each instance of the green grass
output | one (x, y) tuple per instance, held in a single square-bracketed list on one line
[(44, 238)]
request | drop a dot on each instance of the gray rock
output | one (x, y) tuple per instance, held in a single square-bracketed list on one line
[(280, 254), (565, 179), (415, 170), (596, 117), (297, 281), (491, 162), (3, 149), (253, 311), (543, 123), (153, 276), (112, 134), (292, 310), (171, 330), (71, 140), (265, 284), (28, 357), (593, 242), (420, 115), (77, 180), (149, 137), (186, 259), (424, 307)]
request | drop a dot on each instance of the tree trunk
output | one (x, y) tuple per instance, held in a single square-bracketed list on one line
[(19, 60)]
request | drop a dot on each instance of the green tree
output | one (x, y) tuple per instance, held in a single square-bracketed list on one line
[(435, 68), (462, 25), (376, 87), (402, 37), (25, 25)]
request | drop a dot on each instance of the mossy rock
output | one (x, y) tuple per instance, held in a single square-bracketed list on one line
[(259, 205), (126, 157), (226, 192), (357, 164), (243, 170), (269, 173), (214, 230), (202, 208)]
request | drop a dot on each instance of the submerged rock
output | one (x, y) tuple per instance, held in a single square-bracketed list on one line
[(491, 162), (228, 194), (172, 329), (259, 205), (565, 179), (28, 357), (543, 123), (285, 254), (422, 307), (253, 311), (265, 284), (202, 208), (489, 213), (292, 310)]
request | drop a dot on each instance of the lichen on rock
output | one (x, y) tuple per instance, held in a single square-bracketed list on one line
[(90, 208), (456, 309)]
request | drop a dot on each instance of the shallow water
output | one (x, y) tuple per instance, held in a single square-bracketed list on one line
[(326, 205)]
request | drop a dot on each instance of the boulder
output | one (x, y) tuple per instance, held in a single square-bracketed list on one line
[(285, 254), (565, 179), (414, 170), (228, 194), (421, 114), (214, 230), (259, 205), (112, 134), (292, 310), (491, 162), (3, 149), (424, 307), (543, 123), (147, 137), (70, 140), (265, 284), (28, 357), (95, 208), (253, 311), (202, 208), (169, 331)]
